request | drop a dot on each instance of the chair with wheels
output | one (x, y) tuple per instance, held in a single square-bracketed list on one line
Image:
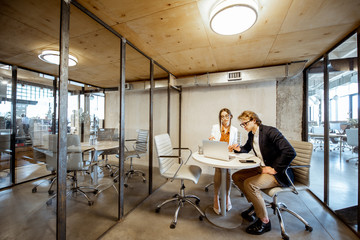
[(301, 169), (170, 168), (352, 141), (75, 164), (140, 146)]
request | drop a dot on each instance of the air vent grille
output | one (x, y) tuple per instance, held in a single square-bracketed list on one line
[(234, 76)]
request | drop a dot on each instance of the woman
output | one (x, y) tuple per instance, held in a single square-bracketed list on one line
[(226, 133)]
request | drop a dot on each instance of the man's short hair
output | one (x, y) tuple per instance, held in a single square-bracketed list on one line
[(250, 115)]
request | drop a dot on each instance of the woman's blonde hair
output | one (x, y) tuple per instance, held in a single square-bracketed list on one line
[(249, 115)]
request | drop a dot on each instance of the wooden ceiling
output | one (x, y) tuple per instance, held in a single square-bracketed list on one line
[(174, 33)]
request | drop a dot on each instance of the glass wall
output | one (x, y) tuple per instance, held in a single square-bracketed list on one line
[(336, 185), (5, 124), (343, 109), (315, 75)]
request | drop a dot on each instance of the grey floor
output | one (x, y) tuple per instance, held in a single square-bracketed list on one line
[(25, 215), (144, 223)]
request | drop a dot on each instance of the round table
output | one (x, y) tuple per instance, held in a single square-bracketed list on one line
[(226, 220)]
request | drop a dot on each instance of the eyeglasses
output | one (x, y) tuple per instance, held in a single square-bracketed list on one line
[(244, 124), (225, 116)]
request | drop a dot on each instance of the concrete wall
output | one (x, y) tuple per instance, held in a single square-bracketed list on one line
[(289, 108)]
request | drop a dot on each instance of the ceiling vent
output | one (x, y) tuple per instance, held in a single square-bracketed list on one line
[(128, 86), (234, 76)]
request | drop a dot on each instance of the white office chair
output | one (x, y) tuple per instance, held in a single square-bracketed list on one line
[(352, 141), (75, 163), (139, 149), (301, 169), (170, 168)]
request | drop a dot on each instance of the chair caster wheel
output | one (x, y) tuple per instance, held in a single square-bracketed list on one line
[(285, 237), (51, 192), (125, 185), (157, 210), (143, 174), (206, 189), (197, 201), (34, 190), (115, 180), (172, 225), (91, 203), (48, 202), (144, 181), (308, 228), (201, 218), (111, 175), (96, 191)]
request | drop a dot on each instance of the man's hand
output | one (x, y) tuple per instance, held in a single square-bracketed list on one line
[(234, 147), (268, 170)]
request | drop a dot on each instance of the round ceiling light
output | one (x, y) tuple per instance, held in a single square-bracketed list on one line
[(231, 17), (53, 57)]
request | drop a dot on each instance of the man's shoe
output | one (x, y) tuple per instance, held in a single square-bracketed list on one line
[(249, 214), (258, 227)]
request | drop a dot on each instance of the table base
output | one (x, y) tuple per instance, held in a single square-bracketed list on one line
[(232, 219)]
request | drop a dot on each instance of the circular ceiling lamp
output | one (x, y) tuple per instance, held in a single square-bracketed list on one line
[(53, 57), (231, 17)]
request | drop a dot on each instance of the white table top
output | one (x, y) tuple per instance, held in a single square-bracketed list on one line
[(232, 164)]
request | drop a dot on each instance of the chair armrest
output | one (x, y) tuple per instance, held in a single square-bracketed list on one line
[(129, 140), (188, 149), (292, 184), (164, 156)]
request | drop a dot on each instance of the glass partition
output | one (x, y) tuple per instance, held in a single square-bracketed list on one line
[(343, 108), (137, 122), (5, 124), (94, 204), (315, 75)]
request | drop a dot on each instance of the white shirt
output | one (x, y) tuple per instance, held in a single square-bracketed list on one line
[(256, 147), (215, 132)]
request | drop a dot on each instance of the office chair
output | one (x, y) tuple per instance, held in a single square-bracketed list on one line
[(352, 141), (139, 149), (75, 163), (170, 168), (301, 169)]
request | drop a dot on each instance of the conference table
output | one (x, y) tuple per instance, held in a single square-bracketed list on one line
[(331, 135), (226, 220)]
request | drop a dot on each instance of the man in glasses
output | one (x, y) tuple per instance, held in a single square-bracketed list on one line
[(276, 154)]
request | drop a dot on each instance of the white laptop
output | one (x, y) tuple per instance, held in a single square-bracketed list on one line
[(217, 150)]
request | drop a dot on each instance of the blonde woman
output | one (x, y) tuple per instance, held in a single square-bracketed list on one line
[(226, 133)]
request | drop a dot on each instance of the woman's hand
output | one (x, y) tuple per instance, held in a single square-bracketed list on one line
[(268, 170), (211, 138), (234, 147)]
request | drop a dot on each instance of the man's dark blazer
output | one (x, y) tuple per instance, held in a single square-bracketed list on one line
[(276, 151)]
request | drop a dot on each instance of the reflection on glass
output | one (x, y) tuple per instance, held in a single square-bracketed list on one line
[(343, 157), (34, 111), (5, 124), (316, 126)]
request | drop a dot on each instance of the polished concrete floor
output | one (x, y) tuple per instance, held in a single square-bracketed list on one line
[(145, 223), (25, 215)]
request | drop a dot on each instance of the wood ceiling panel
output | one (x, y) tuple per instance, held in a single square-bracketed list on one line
[(248, 54), (170, 31), (106, 75), (17, 38), (197, 60), (127, 10), (310, 14), (95, 48), (307, 44)]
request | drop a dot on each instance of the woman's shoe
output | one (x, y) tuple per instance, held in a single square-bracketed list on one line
[(216, 210), (228, 206)]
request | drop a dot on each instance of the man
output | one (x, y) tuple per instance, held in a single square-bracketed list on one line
[(276, 154)]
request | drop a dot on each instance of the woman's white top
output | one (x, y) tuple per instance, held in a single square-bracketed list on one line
[(216, 133)]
